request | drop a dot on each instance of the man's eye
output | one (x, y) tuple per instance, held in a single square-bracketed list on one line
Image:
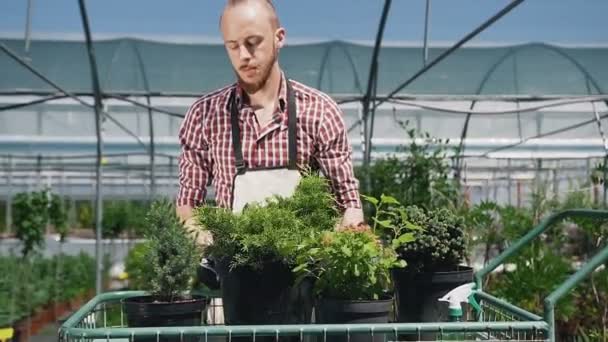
[(232, 46), (254, 41)]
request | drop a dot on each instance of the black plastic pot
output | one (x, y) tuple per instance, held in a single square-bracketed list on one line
[(332, 311), (417, 294), (265, 296), (148, 311)]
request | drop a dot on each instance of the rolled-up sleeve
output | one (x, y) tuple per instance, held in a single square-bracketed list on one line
[(334, 155), (194, 159)]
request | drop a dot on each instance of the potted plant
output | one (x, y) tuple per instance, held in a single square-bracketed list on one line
[(254, 252), (352, 279), (435, 249), (172, 258)]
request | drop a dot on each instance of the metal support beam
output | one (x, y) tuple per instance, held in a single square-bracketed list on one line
[(98, 107), (456, 46), (28, 26), (9, 196), (372, 77), (425, 53)]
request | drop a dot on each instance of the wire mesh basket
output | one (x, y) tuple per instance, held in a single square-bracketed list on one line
[(103, 319)]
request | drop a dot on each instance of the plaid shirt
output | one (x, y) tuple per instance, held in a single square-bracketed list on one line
[(207, 152)]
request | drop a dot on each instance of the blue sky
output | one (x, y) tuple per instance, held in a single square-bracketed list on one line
[(556, 21)]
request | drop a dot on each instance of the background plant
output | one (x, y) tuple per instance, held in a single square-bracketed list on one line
[(58, 216), (137, 266), (422, 178), (30, 216)]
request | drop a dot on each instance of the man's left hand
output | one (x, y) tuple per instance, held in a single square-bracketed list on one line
[(352, 217)]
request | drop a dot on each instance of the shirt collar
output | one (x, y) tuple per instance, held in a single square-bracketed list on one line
[(242, 98)]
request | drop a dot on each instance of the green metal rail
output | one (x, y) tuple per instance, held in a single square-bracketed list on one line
[(572, 281)]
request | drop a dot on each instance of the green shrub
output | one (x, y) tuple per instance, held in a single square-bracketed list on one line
[(30, 215), (270, 232), (172, 255)]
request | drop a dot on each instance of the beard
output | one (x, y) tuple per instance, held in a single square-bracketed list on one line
[(262, 75)]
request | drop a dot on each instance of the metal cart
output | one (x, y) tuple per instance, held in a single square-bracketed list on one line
[(102, 318)]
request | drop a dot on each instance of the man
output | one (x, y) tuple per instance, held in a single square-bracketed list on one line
[(234, 131)]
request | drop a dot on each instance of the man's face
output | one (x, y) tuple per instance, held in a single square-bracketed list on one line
[(252, 42)]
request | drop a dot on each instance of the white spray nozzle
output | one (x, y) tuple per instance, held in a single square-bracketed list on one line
[(458, 295)]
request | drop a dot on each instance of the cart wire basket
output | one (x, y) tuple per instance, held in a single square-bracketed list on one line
[(103, 317)]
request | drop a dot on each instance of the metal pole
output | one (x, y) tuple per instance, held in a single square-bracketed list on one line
[(98, 174), (425, 55), (9, 196), (372, 76), (509, 182), (28, 26), (152, 151), (604, 181)]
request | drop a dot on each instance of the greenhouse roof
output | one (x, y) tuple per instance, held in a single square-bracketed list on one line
[(337, 67)]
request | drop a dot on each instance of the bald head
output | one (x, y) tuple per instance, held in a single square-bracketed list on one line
[(264, 8), (253, 37)]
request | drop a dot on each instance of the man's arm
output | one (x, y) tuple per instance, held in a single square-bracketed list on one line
[(335, 159), (194, 169)]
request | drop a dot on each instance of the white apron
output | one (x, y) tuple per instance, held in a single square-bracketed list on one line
[(258, 184)]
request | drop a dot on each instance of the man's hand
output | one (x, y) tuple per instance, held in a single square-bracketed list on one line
[(352, 217), (202, 237)]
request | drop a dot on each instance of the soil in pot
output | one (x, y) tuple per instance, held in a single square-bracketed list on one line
[(417, 294), (332, 311), (149, 311)]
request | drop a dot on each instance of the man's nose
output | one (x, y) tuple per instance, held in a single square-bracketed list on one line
[(244, 52)]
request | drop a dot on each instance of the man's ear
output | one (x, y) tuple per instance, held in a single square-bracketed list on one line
[(280, 37)]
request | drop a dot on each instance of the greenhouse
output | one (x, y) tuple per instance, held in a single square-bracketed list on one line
[(467, 151)]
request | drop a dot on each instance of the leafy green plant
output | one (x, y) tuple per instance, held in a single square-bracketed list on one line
[(2, 217), (422, 178), (270, 232), (84, 214), (58, 216), (440, 244), (391, 221), (537, 274), (34, 282), (173, 256), (30, 215), (348, 264), (116, 218), (137, 266)]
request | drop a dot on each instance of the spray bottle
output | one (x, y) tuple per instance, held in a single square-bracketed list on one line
[(461, 294)]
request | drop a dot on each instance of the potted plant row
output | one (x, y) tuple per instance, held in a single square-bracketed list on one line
[(278, 259)]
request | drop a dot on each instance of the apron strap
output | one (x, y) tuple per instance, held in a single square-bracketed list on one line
[(241, 167), (236, 135), (291, 127)]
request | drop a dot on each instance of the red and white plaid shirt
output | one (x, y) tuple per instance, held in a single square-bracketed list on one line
[(206, 142)]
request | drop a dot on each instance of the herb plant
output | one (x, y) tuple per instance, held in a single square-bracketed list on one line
[(347, 265)]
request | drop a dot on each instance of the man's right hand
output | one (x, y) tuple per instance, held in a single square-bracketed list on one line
[(201, 236)]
